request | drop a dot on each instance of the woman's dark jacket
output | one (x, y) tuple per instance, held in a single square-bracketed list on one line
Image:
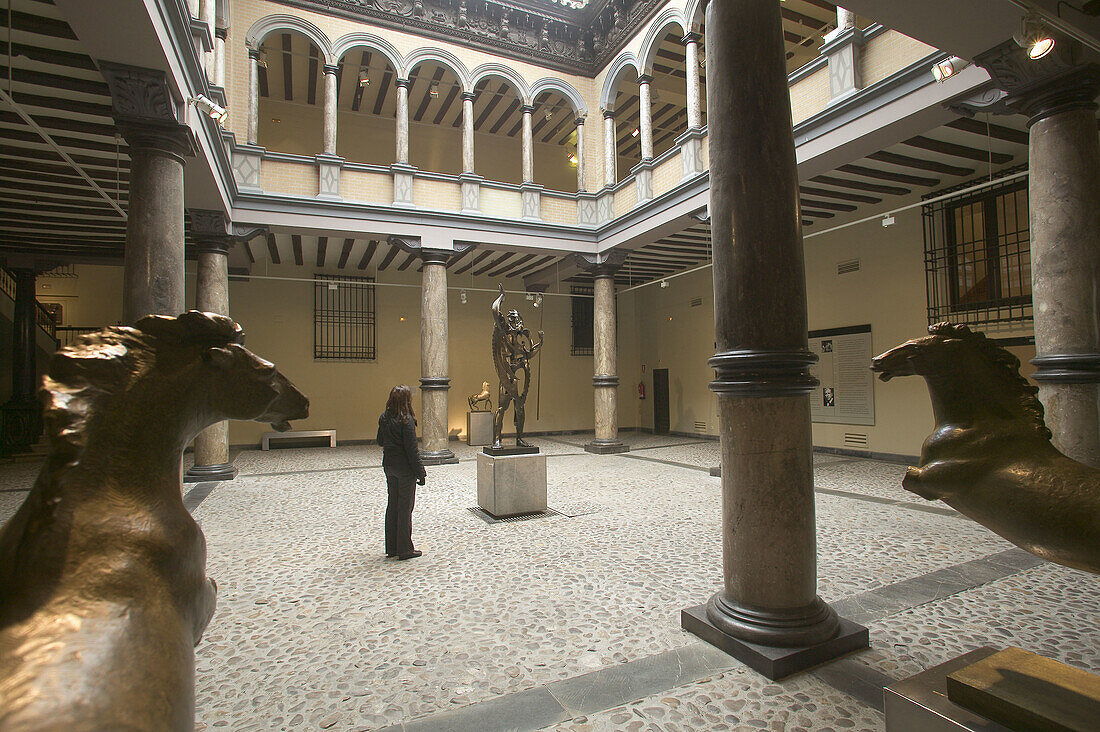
[(399, 449)]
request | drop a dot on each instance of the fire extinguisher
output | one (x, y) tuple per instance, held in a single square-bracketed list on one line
[(641, 390)]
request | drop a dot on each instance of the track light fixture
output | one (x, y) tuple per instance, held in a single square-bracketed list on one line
[(462, 297), (209, 107), (664, 284), (944, 70), (1035, 36), (364, 77), (433, 89)]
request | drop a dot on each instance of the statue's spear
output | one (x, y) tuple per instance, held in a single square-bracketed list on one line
[(538, 382)]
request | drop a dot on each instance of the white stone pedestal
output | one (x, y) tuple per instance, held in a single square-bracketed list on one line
[(479, 428), (511, 484)]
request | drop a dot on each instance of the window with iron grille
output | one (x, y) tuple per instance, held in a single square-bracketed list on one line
[(343, 318), (582, 321), (977, 253)]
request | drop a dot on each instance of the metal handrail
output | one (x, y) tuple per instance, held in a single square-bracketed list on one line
[(42, 317), (67, 334)]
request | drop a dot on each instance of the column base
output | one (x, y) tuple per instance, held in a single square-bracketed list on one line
[(716, 472), (208, 473), (772, 661), (606, 447), (438, 457)]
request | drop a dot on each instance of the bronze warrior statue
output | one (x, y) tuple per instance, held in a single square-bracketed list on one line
[(512, 354), (103, 586), (990, 455)]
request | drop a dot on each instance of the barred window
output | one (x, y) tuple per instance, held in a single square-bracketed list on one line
[(582, 321), (343, 318), (978, 256)]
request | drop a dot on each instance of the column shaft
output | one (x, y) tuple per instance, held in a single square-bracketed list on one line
[(694, 106), (193, 8), (645, 126), (467, 132), (208, 15), (330, 109), (609, 154), (1064, 194), (528, 146), (606, 380), (219, 57), (580, 156), (403, 121), (212, 296), (434, 344), (21, 416), (253, 96)]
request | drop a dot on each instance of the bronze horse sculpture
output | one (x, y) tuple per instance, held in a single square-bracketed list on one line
[(103, 586), (990, 456)]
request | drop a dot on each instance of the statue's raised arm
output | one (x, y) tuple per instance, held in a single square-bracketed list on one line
[(497, 317)]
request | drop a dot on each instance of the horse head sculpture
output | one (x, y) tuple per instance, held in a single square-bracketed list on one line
[(990, 455), (103, 586)]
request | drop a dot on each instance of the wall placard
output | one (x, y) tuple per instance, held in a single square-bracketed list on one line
[(846, 394)]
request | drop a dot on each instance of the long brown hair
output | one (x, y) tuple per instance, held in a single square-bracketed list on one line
[(400, 405)]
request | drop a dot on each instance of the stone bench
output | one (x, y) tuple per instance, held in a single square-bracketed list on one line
[(265, 441)]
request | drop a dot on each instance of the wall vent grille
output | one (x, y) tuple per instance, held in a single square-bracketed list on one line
[(697, 302), (700, 426), (855, 439), (847, 266)]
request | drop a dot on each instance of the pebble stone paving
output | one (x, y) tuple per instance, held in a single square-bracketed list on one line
[(316, 629)]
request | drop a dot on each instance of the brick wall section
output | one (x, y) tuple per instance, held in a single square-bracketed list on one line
[(295, 179), (625, 198), (810, 95), (888, 53), (437, 195), (558, 210), (667, 175), (502, 203), (356, 185)]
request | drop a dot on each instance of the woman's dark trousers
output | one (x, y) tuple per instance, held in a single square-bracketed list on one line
[(399, 511)]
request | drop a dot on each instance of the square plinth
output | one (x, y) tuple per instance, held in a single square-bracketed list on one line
[(920, 704), (512, 484), (479, 428)]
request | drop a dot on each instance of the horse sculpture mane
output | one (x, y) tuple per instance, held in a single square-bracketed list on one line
[(84, 377), (1005, 364)]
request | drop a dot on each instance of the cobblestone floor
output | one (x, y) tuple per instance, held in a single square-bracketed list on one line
[(315, 628)]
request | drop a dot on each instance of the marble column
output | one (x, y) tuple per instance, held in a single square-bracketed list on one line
[(468, 132), (694, 84), (402, 121), (1064, 193), (769, 614), (610, 155), (434, 381), (645, 125), (193, 8), (253, 96), (219, 56), (528, 145), (581, 186), (330, 72), (208, 15), (605, 380), (21, 415)]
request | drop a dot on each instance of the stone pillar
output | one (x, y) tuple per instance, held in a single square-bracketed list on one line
[(1059, 97), (208, 15), (694, 85), (403, 121), (605, 360), (253, 96), (330, 72), (528, 145), (220, 35), (645, 125), (22, 414), (193, 8), (580, 156), (610, 154), (468, 132), (762, 362), (153, 265)]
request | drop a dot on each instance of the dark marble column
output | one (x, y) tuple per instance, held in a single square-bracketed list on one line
[(22, 414), (768, 615), (145, 114), (605, 381), (1064, 197)]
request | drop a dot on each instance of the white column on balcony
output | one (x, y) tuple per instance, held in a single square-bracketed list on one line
[(193, 8), (645, 125), (208, 14), (528, 145), (467, 132), (330, 72), (253, 95), (580, 154), (694, 87), (219, 56), (845, 19), (609, 156), (403, 121)]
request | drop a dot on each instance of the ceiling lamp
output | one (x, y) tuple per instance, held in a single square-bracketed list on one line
[(1035, 36), (944, 70), (364, 77)]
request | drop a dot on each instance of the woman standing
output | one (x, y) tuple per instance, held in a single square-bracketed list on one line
[(401, 462)]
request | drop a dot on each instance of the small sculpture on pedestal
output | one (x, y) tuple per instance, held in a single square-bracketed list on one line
[(990, 456), (103, 586), (481, 399), (512, 354)]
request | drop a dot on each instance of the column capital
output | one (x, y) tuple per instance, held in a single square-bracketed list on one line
[(608, 114), (401, 83), (692, 37), (602, 265), (213, 232), (223, 33), (527, 109), (1045, 86), (578, 122), (330, 69), (144, 110), (468, 96), (645, 79), (428, 255), (254, 54)]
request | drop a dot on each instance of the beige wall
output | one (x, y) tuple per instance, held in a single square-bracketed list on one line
[(92, 298)]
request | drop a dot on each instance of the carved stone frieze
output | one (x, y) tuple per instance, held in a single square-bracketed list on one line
[(1038, 87), (139, 95), (554, 34)]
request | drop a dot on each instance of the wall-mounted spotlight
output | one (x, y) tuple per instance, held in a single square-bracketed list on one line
[(216, 112), (664, 284), (433, 89), (944, 70), (1035, 36), (572, 158), (364, 77), (888, 220), (548, 115), (462, 297), (634, 133), (262, 60)]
